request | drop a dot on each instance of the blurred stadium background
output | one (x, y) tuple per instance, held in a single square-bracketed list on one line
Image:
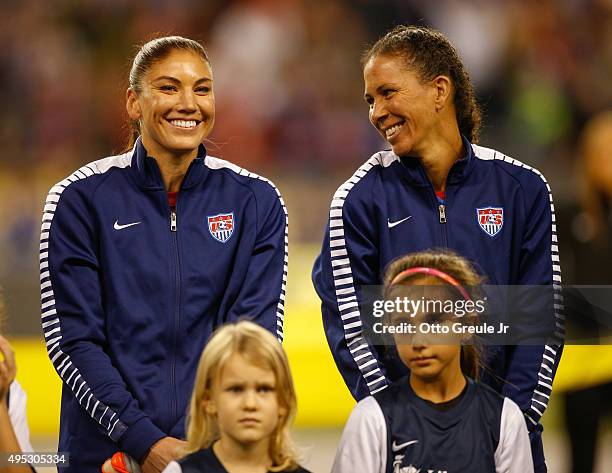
[(289, 106)]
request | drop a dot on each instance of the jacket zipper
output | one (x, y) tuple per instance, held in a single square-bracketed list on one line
[(177, 321), (442, 212), (441, 209)]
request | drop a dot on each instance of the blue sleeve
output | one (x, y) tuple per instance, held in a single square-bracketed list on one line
[(73, 321), (261, 296), (531, 368), (349, 259)]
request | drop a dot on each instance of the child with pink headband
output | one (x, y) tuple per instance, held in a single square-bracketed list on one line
[(439, 418)]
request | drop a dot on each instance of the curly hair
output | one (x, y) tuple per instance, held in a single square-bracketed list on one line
[(429, 53)]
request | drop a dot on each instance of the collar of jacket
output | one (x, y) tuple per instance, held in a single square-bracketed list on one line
[(148, 176), (414, 173)]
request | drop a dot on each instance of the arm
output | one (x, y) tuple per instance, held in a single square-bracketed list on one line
[(349, 259), (73, 321), (513, 453), (8, 441), (531, 368), (261, 295), (162, 453), (13, 438), (17, 414), (363, 446)]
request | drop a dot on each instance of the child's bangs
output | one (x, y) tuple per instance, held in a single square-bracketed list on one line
[(258, 355)]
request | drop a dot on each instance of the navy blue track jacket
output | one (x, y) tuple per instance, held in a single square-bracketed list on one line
[(388, 208), (131, 291)]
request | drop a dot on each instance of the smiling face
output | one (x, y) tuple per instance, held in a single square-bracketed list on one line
[(403, 109), (245, 401), (176, 106)]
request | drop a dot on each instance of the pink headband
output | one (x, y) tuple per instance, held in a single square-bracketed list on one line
[(432, 272)]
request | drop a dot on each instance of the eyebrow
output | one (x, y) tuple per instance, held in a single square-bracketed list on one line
[(379, 88), (176, 81), (266, 384)]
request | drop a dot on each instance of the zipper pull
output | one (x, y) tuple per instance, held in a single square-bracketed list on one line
[(172, 220), (442, 211)]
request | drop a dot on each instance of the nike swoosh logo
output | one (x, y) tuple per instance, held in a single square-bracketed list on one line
[(396, 448), (393, 224), (121, 227)]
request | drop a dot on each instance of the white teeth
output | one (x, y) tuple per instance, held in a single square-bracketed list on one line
[(389, 132), (184, 123)]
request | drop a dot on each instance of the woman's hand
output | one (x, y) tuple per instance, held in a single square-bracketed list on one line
[(162, 452), (7, 368), (121, 462)]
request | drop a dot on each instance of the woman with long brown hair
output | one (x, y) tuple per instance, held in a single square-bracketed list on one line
[(439, 418)]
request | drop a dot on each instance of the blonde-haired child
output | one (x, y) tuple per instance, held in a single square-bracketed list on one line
[(439, 418), (242, 406)]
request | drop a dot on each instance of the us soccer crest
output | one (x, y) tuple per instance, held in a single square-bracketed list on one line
[(490, 219), (221, 226)]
